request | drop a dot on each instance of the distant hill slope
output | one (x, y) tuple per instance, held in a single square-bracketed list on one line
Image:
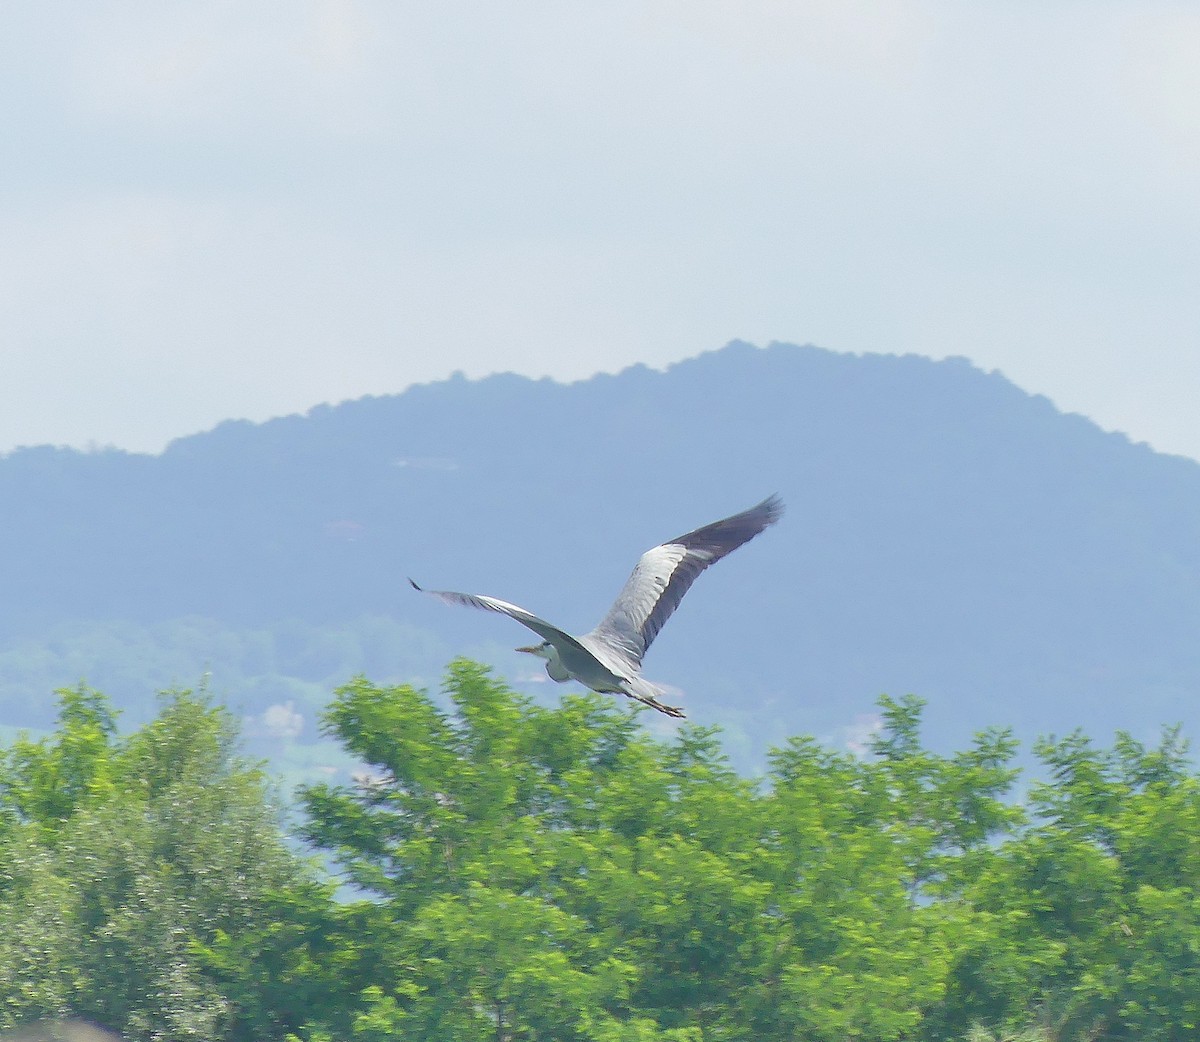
[(947, 534)]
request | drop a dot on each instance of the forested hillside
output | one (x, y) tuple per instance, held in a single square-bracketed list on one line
[(528, 872), (947, 535)]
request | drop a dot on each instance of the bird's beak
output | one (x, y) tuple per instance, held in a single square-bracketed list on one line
[(528, 651)]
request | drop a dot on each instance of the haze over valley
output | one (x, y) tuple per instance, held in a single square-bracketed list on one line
[(948, 534)]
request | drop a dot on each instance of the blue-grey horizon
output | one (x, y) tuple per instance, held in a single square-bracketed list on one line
[(212, 212)]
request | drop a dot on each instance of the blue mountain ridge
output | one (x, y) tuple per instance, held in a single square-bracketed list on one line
[(948, 534)]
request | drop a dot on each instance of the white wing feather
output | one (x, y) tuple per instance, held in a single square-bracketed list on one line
[(666, 572)]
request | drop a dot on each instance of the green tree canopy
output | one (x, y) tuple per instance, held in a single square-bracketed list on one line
[(124, 860), (558, 873), (517, 872)]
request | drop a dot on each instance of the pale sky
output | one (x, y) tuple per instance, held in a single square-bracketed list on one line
[(241, 209)]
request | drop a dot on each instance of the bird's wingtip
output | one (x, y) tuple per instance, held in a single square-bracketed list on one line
[(412, 583)]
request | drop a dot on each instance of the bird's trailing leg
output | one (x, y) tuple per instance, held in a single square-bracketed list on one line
[(654, 703)]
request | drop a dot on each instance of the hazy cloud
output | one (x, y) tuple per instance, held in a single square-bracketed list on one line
[(242, 209)]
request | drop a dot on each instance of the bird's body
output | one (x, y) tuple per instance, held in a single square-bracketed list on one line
[(609, 658)]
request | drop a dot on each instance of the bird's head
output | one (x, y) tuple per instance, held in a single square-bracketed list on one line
[(540, 650)]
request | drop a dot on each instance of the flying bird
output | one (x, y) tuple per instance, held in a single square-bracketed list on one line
[(609, 658)]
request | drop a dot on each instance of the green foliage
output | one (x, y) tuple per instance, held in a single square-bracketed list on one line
[(517, 872), (125, 862), (44, 782), (1092, 914), (555, 873)]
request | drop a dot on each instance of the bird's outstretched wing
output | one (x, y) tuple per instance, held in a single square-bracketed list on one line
[(665, 573), (514, 611)]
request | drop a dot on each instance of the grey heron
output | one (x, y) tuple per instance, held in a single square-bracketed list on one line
[(609, 658)]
